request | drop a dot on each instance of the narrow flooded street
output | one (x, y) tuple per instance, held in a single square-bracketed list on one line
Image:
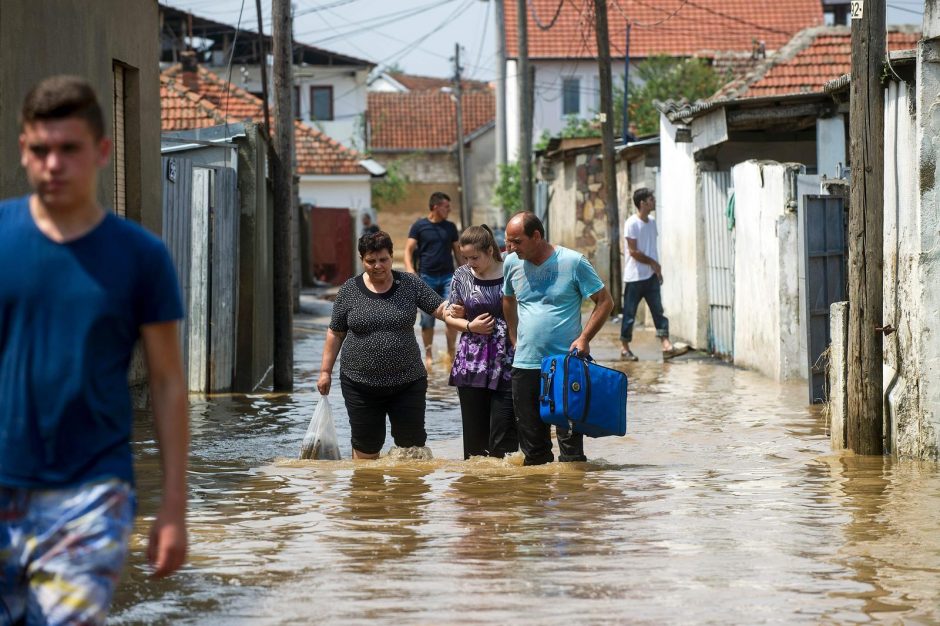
[(722, 505)]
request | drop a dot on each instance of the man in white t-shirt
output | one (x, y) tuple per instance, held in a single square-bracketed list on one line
[(642, 276)]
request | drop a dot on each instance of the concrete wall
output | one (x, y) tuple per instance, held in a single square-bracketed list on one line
[(481, 179), (46, 37), (912, 268), (352, 192), (681, 224), (766, 300)]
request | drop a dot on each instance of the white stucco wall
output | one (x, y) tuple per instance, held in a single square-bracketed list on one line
[(766, 299), (548, 100), (912, 270), (350, 96), (681, 224), (336, 192)]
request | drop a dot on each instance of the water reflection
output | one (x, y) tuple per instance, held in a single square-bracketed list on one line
[(722, 505), (381, 516)]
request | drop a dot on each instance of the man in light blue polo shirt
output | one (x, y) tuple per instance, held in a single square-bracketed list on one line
[(543, 288)]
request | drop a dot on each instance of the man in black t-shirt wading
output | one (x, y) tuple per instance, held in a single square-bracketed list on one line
[(434, 239)]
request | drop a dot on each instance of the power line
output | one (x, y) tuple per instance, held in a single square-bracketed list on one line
[(906, 10), (377, 21), (554, 19), (650, 24), (486, 23)]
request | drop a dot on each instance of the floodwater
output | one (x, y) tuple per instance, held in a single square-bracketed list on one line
[(722, 505)]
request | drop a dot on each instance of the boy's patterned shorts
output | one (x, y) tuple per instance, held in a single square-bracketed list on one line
[(62, 550)]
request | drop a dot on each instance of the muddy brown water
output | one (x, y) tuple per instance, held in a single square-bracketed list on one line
[(722, 505)]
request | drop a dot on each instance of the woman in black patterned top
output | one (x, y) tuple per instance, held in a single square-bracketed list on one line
[(381, 372)]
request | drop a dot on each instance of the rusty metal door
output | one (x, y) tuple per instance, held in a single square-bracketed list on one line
[(331, 245), (825, 252), (719, 251)]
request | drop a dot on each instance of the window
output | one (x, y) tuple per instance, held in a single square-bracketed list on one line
[(296, 103), (321, 103), (571, 96)]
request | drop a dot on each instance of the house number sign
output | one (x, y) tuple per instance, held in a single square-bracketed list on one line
[(855, 9)]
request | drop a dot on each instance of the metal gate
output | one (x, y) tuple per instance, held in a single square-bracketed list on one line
[(200, 228), (719, 251), (825, 255)]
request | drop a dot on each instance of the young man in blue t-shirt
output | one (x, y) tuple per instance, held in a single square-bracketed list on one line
[(543, 288), (433, 239), (81, 286)]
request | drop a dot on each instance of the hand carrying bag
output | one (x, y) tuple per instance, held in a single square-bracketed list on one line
[(580, 395)]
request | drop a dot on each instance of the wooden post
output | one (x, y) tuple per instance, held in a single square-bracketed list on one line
[(607, 148), (865, 412), (283, 176), (524, 80), (461, 153)]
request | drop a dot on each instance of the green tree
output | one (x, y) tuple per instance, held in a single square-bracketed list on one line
[(508, 190), (663, 78), (392, 188)]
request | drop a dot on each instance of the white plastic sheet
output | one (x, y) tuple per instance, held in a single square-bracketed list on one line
[(320, 441)]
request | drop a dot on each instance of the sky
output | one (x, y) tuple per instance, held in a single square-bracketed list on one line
[(417, 35)]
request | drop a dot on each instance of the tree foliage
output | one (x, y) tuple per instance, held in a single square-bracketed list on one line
[(662, 78), (508, 190), (392, 188)]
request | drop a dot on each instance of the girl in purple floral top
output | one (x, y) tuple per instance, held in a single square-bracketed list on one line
[(482, 370)]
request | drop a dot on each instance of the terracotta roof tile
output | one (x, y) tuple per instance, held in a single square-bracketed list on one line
[(819, 55), (316, 153), (425, 120), (181, 109), (414, 82), (670, 27)]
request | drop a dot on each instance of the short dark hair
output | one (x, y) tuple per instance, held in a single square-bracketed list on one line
[(374, 242), (531, 224), (60, 97), (436, 198), (640, 195)]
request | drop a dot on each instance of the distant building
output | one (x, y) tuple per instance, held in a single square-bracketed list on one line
[(329, 88), (563, 50)]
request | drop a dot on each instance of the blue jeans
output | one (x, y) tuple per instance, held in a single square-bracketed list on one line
[(440, 283), (647, 290)]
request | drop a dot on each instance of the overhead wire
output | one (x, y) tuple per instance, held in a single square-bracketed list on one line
[(535, 15), (486, 23)]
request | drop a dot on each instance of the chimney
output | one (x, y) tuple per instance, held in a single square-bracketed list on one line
[(190, 73)]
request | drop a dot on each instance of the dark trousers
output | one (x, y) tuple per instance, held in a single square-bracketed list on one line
[(535, 436), (489, 421), (367, 407), (647, 290)]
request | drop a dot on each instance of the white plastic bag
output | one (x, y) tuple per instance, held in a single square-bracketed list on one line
[(320, 442)]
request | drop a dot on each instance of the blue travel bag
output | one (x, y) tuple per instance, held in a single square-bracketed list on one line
[(580, 395)]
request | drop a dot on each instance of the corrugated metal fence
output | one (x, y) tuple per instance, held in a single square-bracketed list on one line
[(200, 228), (719, 250)]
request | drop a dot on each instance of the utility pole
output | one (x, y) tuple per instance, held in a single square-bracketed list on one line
[(264, 69), (626, 88), (283, 176), (865, 411), (607, 148), (461, 154), (524, 80), (501, 157)]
